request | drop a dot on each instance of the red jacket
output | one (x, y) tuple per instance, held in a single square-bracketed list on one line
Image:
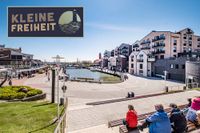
[(131, 118)]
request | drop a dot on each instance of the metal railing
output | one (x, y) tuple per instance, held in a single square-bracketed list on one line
[(193, 85)]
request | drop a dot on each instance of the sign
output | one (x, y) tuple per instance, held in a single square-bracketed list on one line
[(45, 21)]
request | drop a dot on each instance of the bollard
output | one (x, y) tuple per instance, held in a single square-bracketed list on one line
[(166, 89), (62, 101), (184, 88)]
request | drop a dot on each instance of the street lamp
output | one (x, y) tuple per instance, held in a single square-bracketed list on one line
[(165, 78)]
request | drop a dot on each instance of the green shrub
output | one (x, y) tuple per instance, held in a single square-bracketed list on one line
[(12, 92), (33, 92), (20, 95), (7, 96)]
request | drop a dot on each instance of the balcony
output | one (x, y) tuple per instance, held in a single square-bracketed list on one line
[(135, 46), (145, 42), (158, 38), (140, 60), (145, 48), (151, 59), (158, 45), (158, 52)]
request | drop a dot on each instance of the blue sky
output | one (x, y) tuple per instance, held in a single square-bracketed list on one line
[(107, 24)]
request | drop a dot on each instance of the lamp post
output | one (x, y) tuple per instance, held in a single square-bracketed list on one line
[(58, 97), (58, 58), (165, 78)]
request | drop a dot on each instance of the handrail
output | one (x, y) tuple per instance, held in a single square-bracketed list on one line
[(61, 126)]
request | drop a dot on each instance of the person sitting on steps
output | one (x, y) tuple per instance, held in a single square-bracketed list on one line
[(177, 119), (131, 118), (158, 122)]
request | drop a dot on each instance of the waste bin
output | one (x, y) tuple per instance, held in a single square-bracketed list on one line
[(62, 101)]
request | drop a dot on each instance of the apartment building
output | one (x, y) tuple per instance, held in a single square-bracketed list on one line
[(141, 63), (135, 46), (107, 54), (159, 45), (125, 49)]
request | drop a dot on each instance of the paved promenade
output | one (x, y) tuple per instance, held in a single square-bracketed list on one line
[(87, 118), (91, 116)]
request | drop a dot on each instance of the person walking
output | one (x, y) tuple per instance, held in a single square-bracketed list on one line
[(10, 82), (48, 75)]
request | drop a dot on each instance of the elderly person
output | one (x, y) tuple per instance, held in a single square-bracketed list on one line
[(196, 103), (131, 118), (157, 122), (195, 106), (177, 119)]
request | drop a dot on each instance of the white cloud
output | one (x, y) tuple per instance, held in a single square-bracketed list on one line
[(120, 28)]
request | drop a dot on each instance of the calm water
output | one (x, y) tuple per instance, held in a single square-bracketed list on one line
[(85, 73)]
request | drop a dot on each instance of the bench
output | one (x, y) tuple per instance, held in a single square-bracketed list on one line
[(190, 127), (140, 117)]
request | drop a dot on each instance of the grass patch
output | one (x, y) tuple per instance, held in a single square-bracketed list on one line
[(198, 89), (109, 78), (27, 117)]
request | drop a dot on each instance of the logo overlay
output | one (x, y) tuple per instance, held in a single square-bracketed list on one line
[(45, 22)]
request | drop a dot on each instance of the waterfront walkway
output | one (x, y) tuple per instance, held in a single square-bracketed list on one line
[(81, 116), (95, 118)]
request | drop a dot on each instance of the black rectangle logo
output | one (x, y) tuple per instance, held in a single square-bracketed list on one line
[(45, 21)]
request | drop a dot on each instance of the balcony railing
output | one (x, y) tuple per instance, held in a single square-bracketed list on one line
[(143, 48), (158, 45), (145, 42), (158, 38), (151, 59), (135, 46), (140, 60), (158, 52)]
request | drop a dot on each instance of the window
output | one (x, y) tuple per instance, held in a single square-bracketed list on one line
[(162, 36), (174, 56), (184, 37), (176, 66), (162, 57), (171, 65), (184, 44), (183, 66), (175, 42), (132, 65), (141, 66), (174, 49)]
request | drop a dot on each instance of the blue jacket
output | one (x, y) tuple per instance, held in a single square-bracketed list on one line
[(159, 122)]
